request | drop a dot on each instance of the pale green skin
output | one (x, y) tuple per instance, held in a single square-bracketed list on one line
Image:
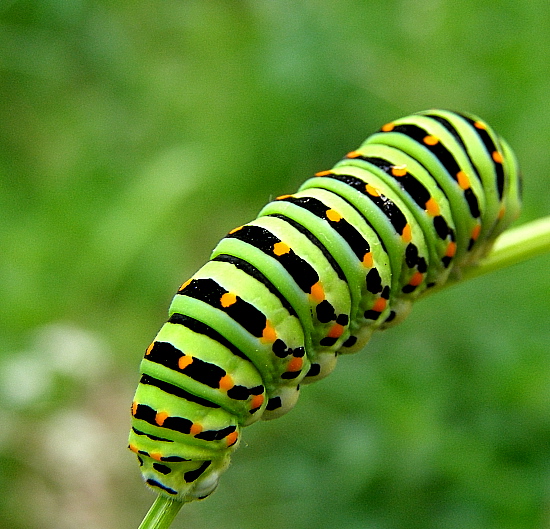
[(347, 296)]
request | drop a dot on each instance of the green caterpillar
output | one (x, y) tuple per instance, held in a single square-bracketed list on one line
[(311, 278)]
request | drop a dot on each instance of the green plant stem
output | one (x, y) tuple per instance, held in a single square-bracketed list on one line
[(515, 246), (161, 514), (512, 247)]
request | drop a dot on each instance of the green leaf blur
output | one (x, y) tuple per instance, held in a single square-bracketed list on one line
[(134, 135)]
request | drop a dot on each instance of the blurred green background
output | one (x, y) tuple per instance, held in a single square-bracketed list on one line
[(134, 135)]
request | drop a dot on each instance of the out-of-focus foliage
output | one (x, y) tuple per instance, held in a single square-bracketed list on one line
[(134, 135)]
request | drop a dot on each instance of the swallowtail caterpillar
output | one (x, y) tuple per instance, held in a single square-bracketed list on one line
[(312, 278)]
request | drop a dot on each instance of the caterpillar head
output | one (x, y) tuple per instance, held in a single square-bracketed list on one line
[(181, 479)]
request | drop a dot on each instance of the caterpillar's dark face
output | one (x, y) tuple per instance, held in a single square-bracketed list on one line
[(311, 278)]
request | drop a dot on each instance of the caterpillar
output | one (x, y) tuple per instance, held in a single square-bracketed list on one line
[(312, 277)]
